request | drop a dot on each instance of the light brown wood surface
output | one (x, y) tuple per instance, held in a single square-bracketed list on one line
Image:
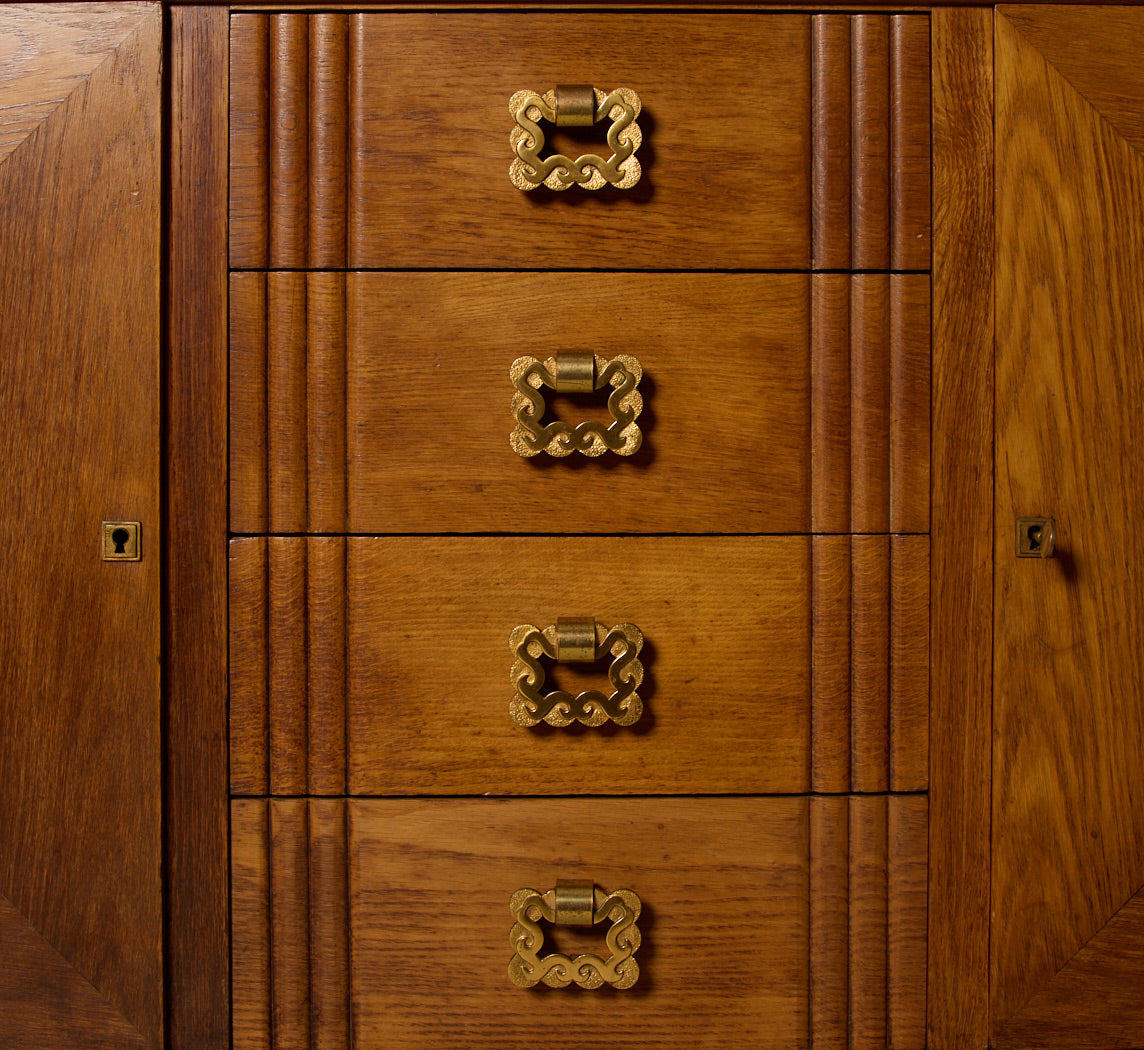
[(380, 402), (1068, 825), (726, 116), (726, 924), (727, 624), (80, 751), (196, 498), (962, 537)]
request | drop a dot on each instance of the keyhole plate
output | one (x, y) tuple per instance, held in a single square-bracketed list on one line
[(1035, 537), (120, 541)]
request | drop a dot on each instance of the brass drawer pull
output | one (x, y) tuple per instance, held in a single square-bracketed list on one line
[(576, 372), (576, 641), (574, 904), (575, 105)]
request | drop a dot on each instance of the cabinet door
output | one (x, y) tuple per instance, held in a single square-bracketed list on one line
[(80, 889), (1068, 762)]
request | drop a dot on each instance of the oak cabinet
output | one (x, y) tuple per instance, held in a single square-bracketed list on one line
[(885, 789)]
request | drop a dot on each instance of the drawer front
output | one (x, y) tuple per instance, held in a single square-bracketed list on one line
[(382, 665), (381, 139), (384, 924), (370, 402)]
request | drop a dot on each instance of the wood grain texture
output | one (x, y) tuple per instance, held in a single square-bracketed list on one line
[(1068, 825), (288, 676), (830, 663), (870, 663), (414, 340), (829, 922), (870, 123), (1096, 999), (81, 753), (830, 122), (870, 214), (830, 432), (420, 891), (329, 86), (326, 420), (329, 926), (249, 404), (870, 402), (250, 949), (286, 388), (961, 598), (909, 466), (288, 141), (196, 522), (743, 631), (868, 922), (909, 663), (427, 152), (249, 653), (909, 142), (250, 140), (907, 874)]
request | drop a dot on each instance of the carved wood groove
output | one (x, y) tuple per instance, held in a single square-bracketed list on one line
[(288, 402), (870, 403), (288, 665), (868, 922), (871, 142), (289, 117)]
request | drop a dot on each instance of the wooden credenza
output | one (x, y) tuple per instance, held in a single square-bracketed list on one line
[(883, 790)]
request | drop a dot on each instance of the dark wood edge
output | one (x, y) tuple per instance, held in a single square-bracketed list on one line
[(962, 530), (195, 624)]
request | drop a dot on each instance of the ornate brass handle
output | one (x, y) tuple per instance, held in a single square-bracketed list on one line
[(574, 904), (576, 641), (572, 105), (576, 372)]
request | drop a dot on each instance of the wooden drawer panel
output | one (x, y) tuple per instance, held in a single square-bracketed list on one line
[(397, 649), (370, 402), (381, 139), (384, 923)]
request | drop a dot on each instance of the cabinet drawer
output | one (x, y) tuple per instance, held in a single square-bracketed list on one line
[(383, 665), (385, 923), (380, 402), (381, 139)]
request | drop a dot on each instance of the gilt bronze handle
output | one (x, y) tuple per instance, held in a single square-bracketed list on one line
[(575, 105), (576, 372), (576, 641), (574, 904)]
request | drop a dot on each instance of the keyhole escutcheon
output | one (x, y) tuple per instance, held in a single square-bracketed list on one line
[(119, 541)]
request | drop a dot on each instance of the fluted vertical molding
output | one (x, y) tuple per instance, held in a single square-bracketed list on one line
[(286, 401), (830, 663), (326, 401), (289, 666), (249, 667), (249, 226), (910, 141), (249, 400)]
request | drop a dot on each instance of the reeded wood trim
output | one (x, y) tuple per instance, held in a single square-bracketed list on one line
[(288, 140), (870, 142), (870, 403), (288, 674), (961, 574), (868, 922), (196, 633)]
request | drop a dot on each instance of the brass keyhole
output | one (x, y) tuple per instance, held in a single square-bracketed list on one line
[(1036, 537), (120, 537)]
